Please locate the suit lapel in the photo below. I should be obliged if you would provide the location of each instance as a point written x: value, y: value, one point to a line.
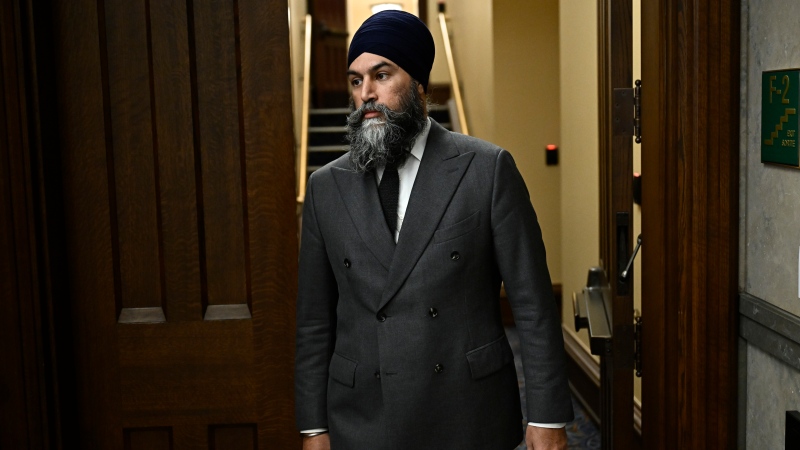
x: 440, y: 173
x: 360, y: 195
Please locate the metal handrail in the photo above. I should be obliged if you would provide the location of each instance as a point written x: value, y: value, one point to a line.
x: 302, y: 167
x: 462, y: 118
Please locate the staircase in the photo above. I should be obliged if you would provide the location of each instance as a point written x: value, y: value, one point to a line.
x: 326, y: 133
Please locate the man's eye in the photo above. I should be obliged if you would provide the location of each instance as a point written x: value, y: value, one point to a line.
x: 382, y: 76
x: 355, y: 82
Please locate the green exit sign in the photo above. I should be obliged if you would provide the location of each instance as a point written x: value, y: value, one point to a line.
x: 779, y: 119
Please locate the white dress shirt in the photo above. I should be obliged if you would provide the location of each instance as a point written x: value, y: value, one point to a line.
x: 407, y: 174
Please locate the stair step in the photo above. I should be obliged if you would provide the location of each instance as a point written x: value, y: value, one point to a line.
x: 328, y: 148
x: 327, y: 129
x: 317, y: 111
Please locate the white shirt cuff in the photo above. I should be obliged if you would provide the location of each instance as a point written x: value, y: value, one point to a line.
x: 548, y: 425
x: 315, y: 430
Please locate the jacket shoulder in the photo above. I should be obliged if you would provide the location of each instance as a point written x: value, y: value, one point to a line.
x: 324, y: 172
x: 463, y: 143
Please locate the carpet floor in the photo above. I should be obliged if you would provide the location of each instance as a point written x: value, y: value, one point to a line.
x: 582, y: 433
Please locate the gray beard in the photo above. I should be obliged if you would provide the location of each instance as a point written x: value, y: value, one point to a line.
x: 388, y: 139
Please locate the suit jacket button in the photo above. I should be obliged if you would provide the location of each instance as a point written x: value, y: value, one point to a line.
x: 381, y: 317
x: 377, y: 374
x: 347, y: 263
x: 455, y: 256
x: 438, y: 368
x: 433, y: 312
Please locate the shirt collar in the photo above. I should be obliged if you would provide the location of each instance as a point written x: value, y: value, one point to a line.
x: 421, y: 140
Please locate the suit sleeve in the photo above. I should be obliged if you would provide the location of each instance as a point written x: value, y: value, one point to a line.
x: 521, y: 259
x: 317, y: 296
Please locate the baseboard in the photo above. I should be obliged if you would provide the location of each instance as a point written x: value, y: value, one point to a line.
x: 584, y: 373
x: 584, y: 379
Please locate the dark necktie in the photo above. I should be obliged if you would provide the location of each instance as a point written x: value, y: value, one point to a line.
x: 389, y: 192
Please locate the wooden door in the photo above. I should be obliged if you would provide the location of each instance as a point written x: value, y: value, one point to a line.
x: 690, y: 164
x: 615, y: 58
x: 176, y: 140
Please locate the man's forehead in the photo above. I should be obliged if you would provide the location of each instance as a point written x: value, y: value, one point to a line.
x: 367, y: 62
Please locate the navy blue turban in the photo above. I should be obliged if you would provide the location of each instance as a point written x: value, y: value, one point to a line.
x: 399, y: 36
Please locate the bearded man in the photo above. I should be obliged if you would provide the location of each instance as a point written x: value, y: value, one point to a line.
x: 406, y: 240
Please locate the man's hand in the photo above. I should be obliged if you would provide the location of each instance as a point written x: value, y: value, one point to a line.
x: 538, y: 438
x: 321, y: 442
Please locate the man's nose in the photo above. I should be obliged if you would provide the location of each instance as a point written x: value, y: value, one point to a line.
x: 368, y: 91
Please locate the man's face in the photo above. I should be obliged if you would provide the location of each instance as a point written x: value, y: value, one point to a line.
x: 388, y: 113
x: 378, y: 79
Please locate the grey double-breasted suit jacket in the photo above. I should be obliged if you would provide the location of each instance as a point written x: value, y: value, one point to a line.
x: 402, y: 346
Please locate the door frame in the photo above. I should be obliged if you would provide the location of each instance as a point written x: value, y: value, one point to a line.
x: 690, y: 200
x: 615, y: 70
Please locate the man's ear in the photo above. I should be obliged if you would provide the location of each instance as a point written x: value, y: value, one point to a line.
x: 422, y: 97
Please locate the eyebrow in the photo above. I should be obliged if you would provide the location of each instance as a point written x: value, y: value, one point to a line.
x: 371, y: 69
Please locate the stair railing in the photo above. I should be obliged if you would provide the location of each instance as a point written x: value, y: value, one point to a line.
x: 302, y: 167
x: 462, y: 118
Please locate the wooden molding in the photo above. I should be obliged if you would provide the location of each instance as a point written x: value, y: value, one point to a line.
x: 580, y: 353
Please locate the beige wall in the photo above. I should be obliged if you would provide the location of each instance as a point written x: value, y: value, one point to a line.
x: 580, y: 209
x: 637, y: 167
x: 471, y: 32
x: 526, y: 105
x: 439, y: 73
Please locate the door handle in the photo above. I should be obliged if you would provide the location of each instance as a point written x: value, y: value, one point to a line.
x: 625, y: 272
x: 592, y: 310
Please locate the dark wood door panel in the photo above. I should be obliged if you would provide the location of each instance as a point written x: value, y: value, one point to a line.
x: 132, y: 183
x: 179, y: 188
x: 205, y: 370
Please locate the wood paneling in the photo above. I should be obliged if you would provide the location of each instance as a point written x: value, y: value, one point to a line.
x: 171, y: 99
x: 222, y: 175
x: 179, y: 186
x: 148, y: 439
x: 20, y: 395
x: 131, y: 153
x: 690, y: 64
x: 237, y: 436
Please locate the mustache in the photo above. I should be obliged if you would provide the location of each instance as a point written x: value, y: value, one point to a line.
x: 357, y: 116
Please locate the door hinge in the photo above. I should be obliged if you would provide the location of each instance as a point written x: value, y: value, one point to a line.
x: 637, y: 343
x: 627, y: 114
